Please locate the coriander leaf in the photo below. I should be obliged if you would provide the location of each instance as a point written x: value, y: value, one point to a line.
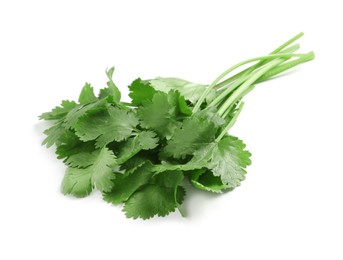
x: 105, y: 94
x: 169, y: 179
x: 134, y: 162
x: 160, y: 114
x: 54, y: 133
x: 226, y: 159
x: 82, y: 159
x: 102, y: 173
x: 210, y: 114
x: 87, y: 95
x: 152, y: 200
x: 172, y: 179
x: 80, y: 181
x: 194, y: 133
x: 77, y: 182
x: 205, y: 180
x: 59, y: 112
x: 70, y: 144
x: 112, y: 89
x: 126, y: 184
x: 147, y: 140
x: 144, y: 140
x: 74, y: 115
x: 191, y: 91
x: 167, y: 166
x: 183, y: 107
x: 114, y: 124
x: 141, y: 91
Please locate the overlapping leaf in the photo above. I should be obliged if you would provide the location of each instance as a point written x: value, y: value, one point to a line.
x: 144, y: 140
x: 160, y: 114
x: 226, y: 159
x: 113, y: 124
x: 88, y: 170
x: 126, y: 184
x: 190, y: 137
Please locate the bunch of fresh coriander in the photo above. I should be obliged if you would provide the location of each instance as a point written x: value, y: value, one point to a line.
x: 141, y: 153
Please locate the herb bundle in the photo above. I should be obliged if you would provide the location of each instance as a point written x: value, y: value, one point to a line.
x: 141, y: 153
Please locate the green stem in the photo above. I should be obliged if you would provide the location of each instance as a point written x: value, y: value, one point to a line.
x: 259, y: 64
x: 227, y: 112
x: 255, y: 75
x: 228, y: 90
x: 296, y: 37
x: 291, y: 49
x: 255, y: 66
x: 231, y: 123
x: 236, y: 84
x: 286, y: 66
x: 244, y: 93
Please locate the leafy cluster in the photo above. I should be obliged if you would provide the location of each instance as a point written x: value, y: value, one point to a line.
x: 141, y: 153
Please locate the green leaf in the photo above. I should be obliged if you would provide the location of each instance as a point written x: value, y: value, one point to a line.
x: 126, y: 184
x: 87, y: 95
x: 203, y: 179
x: 183, y: 107
x: 82, y: 159
x: 210, y: 114
x: 147, y: 140
x: 144, y: 140
x: 70, y: 144
x: 77, y: 182
x: 59, y: 112
x: 80, y: 181
x: 140, y: 92
x: 54, y: 134
x: 114, y: 124
x: 226, y: 159
x: 167, y: 166
x: 152, y: 200
x: 77, y: 112
x: 191, y: 91
x: 160, y: 114
x: 134, y: 162
x: 169, y: 179
x: 112, y: 89
x: 194, y: 133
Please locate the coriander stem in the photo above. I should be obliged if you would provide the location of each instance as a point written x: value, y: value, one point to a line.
x: 231, y: 123
x: 255, y: 75
x: 259, y: 64
x: 235, y: 85
x: 227, y: 112
x: 245, y: 92
x: 207, y: 91
x: 255, y: 66
x: 287, y: 65
x: 228, y: 90
x: 296, y: 37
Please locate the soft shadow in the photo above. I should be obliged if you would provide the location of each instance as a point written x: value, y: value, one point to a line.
x: 40, y: 126
x: 199, y: 201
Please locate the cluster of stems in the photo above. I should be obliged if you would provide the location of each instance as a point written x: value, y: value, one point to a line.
x: 230, y: 91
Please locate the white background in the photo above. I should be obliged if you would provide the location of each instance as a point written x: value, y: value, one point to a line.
x: 290, y: 206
